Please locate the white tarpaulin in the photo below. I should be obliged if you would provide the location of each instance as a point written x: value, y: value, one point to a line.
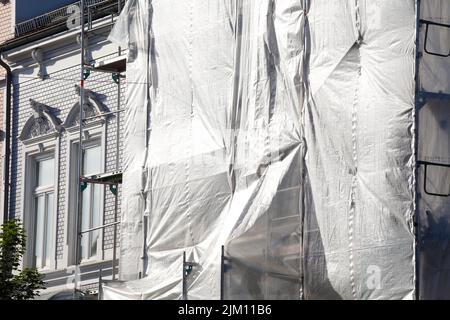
x: 282, y: 130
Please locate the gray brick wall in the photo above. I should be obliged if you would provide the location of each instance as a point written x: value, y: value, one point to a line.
x: 63, y: 177
x: 58, y: 92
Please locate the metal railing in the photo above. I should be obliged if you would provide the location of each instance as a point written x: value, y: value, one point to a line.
x: 427, y: 29
x: 426, y: 164
x: 60, y: 16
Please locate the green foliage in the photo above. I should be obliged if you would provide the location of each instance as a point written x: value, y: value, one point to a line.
x: 15, y: 285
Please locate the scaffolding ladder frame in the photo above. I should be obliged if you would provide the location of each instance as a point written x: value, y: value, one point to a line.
x: 113, y: 179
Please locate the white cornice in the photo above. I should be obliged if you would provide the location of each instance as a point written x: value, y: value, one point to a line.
x: 50, y: 42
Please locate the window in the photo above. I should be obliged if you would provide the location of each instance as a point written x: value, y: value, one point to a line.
x: 92, y: 195
x: 44, y: 213
x: 40, y: 175
x: 91, y: 202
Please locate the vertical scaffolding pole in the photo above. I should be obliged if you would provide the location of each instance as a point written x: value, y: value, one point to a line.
x: 144, y: 165
x: 302, y: 203
x: 184, y: 289
x: 117, y: 168
x: 100, y: 293
x: 115, y: 233
x: 80, y: 152
x: 416, y: 154
x: 222, y: 273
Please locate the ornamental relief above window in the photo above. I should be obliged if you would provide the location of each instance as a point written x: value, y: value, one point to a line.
x: 93, y: 111
x: 42, y: 123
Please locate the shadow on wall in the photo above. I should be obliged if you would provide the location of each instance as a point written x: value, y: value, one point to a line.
x: 434, y: 211
x: 14, y: 151
x: 434, y: 254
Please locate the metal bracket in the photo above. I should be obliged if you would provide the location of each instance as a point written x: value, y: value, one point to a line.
x: 113, y: 189
x: 115, y: 77
x: 427, y: 24
x: 426, y: 164
x: 86, y: 74
x: 424, y: 96
x: 188, y: 267
x: 187, y: 270
x: 83, y: 186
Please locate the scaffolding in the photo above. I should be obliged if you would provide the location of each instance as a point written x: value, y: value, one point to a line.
x: 426, y: 97
x: 90, y: 10
x: 291, y: 252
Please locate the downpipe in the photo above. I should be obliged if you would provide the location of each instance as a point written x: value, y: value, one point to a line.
x: 7, y: 144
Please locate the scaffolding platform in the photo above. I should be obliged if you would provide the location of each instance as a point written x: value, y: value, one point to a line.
x: 112, y: 65
x: 109, y: 178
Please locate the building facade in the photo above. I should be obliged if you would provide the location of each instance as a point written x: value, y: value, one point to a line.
x: 45, y: 137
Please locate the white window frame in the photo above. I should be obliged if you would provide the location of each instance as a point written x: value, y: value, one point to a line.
x: 33, y: 151
x: 39, y: 191
x: 93, y: 133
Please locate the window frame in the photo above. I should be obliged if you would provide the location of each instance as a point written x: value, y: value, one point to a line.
x: 39, y: 191
x: 93, y: 134
x: 31, y: 155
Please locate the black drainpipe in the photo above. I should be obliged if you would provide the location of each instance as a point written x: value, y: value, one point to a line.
x: 7, y: 139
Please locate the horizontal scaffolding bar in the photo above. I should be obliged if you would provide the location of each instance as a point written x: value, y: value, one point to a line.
x: 428, y: 163
x: 423, y: 21
x: 104, y: 178
x: 97, y: 69
x: 103, y: 114
x: 101, y: 227
x: 434, y: 95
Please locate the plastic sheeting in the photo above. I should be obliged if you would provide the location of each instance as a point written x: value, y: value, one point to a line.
x: 282, y: 130
x: 359, y: 132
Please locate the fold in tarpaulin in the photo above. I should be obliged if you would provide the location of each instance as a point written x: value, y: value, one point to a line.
x: 282, y: 130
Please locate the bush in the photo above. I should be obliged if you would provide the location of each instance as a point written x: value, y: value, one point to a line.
x: 15, y: 285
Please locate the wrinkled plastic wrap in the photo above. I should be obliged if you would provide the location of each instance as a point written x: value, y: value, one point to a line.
x: 359, y: 133
x: 434, y: 149
x: 282, y: 130
x: 133, y: 26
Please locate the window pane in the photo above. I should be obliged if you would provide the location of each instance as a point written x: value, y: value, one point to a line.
x: 49, y: 252
x: 96, y: 205
x: 40, y: 223
x: 91, y: 202
x: 85, y: 246
x: 85, y: 221
x: 92, y: 161
x: 94, y: 240
x: 45, y: 172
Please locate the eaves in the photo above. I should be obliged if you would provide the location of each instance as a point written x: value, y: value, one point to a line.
x: 18, y: 49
